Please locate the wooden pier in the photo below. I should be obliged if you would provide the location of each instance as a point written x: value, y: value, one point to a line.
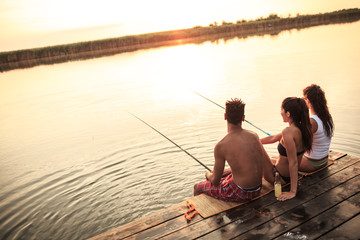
x: 327, y: 206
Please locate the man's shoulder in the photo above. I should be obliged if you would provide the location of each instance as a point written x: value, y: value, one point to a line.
x: 244, y: 135
x: 222, y: 142
x: 249, y: 133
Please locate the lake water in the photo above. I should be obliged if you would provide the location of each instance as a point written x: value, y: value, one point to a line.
x: 74, y: 162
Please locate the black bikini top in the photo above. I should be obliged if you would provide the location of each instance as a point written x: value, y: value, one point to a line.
x: 282, y: 150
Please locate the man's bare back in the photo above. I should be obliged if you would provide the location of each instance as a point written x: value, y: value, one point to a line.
x: 244, y: 153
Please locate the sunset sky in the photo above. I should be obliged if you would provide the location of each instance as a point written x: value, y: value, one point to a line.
x: 37, y: 23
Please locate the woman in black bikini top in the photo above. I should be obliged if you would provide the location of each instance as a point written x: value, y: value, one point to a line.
x: 294, y: 140
x: 282, y: 150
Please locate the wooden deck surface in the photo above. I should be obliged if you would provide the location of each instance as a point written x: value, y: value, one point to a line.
x: 327, y: 206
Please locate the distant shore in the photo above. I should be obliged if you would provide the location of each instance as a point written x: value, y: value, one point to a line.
x: 273, y: 25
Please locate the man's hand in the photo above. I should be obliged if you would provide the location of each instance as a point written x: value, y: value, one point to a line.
x: 208, y: 174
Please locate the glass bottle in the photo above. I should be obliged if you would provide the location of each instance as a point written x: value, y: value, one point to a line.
x: 277, y: 185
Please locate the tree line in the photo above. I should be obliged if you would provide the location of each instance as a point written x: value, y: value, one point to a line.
x: 272, y: 24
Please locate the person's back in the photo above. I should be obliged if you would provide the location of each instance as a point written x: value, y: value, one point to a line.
x: 321, y: 141
x: 322, y: 128
x: 243, y: 151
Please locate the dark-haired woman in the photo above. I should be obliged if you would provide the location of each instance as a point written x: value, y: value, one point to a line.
x: 294, y: 140
x: 322, y: 127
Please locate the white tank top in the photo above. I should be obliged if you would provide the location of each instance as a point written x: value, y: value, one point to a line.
x: 321, y: 142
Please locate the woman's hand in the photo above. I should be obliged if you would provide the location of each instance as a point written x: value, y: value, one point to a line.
x: 286, y: 195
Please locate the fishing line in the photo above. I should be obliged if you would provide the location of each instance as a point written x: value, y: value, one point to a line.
x: 224, y: 109
x: 169, y: 140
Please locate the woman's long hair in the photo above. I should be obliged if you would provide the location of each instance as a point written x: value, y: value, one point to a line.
x: 316, y: 96
x: 299, y: 112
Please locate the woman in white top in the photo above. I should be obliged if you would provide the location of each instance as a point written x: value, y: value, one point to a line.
x: 322, y: 127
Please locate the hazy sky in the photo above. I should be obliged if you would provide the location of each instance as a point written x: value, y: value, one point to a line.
x: 37, y: 23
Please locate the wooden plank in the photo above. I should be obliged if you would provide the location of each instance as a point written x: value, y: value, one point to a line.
x: 348, y: 230
x: 326, y: 221
x: 172, y: 220
x: 336, y: 155
x: 233, y: 221
x: 240, y: 224
x: 208, y: 206
x: 281, y: 224
x: 143, y: 223
x: 203, y: 227
x: 179, y: 225
x: 164, y: 228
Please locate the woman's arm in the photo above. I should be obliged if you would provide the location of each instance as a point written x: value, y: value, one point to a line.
x: 290, y: 146
x: 314, y: 125
x: 271, y: 139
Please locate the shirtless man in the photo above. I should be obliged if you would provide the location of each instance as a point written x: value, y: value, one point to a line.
x: 244, y: 153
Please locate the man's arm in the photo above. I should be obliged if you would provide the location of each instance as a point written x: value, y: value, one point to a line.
x: 215, y: 176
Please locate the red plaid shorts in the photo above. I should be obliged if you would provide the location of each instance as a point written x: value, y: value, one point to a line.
x: 227, y: 190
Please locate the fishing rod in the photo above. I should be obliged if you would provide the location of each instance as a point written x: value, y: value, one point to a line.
x: 224, y: 109
x: 170, y: 140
